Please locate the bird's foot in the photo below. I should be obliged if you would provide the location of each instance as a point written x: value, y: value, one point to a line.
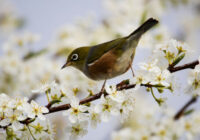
x: 103, y: 87
x: 132, y: 71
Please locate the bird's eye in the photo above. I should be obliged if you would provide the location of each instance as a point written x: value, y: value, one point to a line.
x: 74, y: 57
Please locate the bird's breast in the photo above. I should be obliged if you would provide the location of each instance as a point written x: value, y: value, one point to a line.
x: 110, y: 65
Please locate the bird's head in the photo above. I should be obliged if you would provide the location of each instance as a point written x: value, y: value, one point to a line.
x: 77, y: 58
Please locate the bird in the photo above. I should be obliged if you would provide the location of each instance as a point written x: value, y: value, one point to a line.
x: 110, y: 59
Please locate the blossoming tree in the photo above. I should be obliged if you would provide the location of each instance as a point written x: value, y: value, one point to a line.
x: 168, y: 66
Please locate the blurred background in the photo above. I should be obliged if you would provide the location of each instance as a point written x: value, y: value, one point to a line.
x: 36, y: 37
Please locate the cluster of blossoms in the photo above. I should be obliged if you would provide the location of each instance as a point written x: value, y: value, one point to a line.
x: 9, y: 20
x: 156, y: 72
x: 15, y: 69
x: 14, y: 114
x: 173, y: 52
x: 153, y: 123
x: 80, y: 115
x: 21, y: 64
x: 115, y: 102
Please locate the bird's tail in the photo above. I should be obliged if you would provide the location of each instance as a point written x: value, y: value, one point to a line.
x: 144, y: 27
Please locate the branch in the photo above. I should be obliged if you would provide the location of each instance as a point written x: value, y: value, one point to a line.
x: 92, y: 98
x: 68, y: 106
x: 124, y: 85
x: 121, y: 86
x: 190, y: 65
x: 181, y: 112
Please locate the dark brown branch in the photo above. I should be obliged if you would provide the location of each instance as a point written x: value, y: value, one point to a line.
x: 92, y: 98
x: 121, y: 86
x: 180, y: 113
x: 67, y: 106
x: 185, y: 66
x: 190, y: 65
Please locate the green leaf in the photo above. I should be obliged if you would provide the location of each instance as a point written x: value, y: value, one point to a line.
x: 188, y: 112
x: 127, y: 81
x: 31, y: 120
x: 55, y: 101
x: 87, y: 104
x: 34, y: 54
x: 178, y: 59
x: 158, y: 86
x: 91, y: 93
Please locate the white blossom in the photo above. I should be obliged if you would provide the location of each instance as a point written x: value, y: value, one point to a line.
x: 141, y: 77
x: 162, y: 77
x: 114, y: 94
x: 95, y: 116
x: 194, y: 81
x: 107, y: 107
x: 37, y: 110
x: 45, y: 87
x: 127, y: 105
x: 76, y: 112
x: 78, y: 129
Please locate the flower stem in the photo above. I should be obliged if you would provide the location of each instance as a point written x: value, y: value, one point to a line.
x: 159, y: 101
x: 47, y: 94
x: 30, y: 132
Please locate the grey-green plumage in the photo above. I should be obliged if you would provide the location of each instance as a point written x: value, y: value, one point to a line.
x: 104, y: 47
x: 109, y: 59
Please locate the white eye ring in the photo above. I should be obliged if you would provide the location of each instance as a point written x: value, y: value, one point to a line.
x: 74, y: 57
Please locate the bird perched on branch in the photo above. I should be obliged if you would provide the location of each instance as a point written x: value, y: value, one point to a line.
x: 109, y: 59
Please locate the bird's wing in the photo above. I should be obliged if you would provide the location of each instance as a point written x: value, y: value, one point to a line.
x: 97, y: 51
x: 101, y: 49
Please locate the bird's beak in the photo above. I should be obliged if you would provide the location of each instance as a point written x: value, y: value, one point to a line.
x: 66, y: 65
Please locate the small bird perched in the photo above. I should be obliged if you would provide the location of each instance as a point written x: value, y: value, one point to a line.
x: 109, y: 59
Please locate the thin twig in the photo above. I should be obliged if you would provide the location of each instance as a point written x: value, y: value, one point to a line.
x: 180, y: 113
x: 30, y: 132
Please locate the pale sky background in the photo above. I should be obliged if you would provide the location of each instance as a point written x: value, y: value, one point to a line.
x: 45, y: 17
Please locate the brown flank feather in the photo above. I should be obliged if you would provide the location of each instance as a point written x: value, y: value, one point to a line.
x: 103, y: 66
